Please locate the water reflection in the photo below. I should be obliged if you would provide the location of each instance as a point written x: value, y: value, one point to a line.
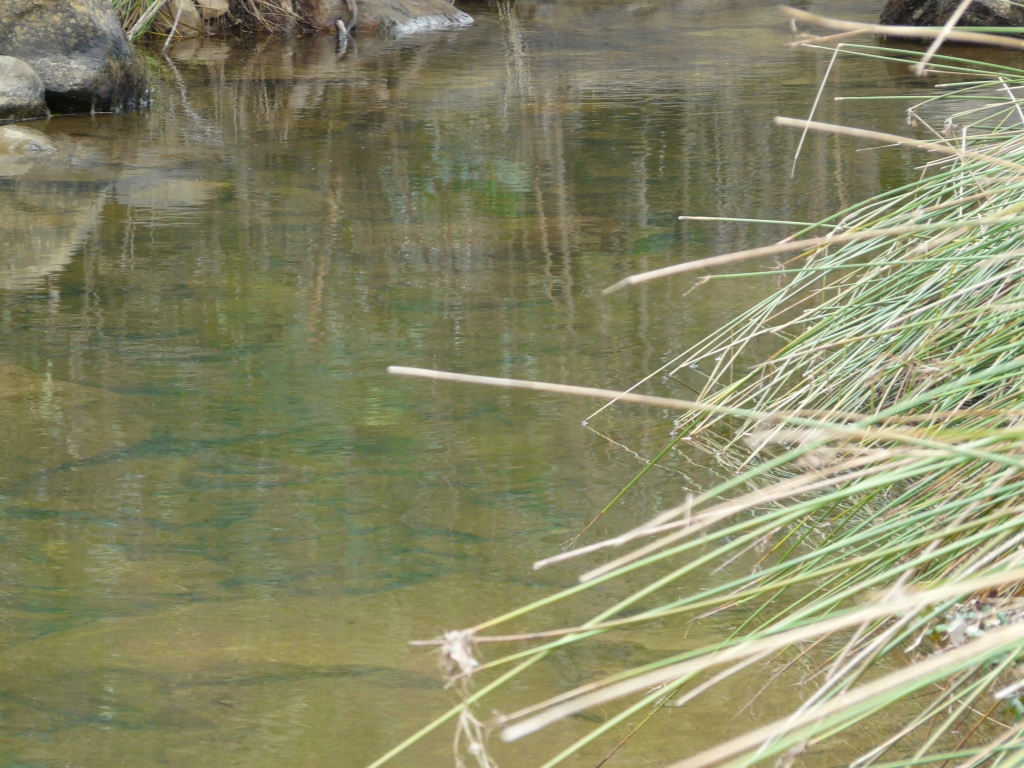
x: 229, y: 571
x: 47, y: 204
x: 53, y: 190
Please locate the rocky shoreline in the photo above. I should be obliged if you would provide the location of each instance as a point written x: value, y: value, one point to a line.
x: 66, y: 55
x: 394, y: 18
x: 76, y: 56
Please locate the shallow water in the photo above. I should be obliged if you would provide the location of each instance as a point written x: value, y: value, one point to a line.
x: 221, y: 519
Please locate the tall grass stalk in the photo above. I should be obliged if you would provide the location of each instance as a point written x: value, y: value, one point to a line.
x: 874, y: 487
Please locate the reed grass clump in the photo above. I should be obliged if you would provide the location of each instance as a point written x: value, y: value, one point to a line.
x: 874, y: 484
x: 142, y: 19
x: 136, y: 16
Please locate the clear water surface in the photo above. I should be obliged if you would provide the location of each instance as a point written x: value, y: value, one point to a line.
x: 220, y: 519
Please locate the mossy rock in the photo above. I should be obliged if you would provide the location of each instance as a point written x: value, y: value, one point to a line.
x: 79, y: 51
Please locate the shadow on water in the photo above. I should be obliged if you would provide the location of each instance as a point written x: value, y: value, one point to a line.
x: 221, y: 520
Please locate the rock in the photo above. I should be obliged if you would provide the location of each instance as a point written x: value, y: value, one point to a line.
x: 22, y: 96
x: 323, y: 14
x: 212, y: 9
x: 78, y: 49
x: 390, y: 18
x: 190, y: 22
x: 935, y: 13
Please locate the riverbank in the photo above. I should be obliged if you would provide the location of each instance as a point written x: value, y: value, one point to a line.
x: 91, y: 65
x: 70, y: 56
x: 191, y: 18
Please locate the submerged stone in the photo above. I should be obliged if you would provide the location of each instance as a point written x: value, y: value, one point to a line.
x: 22, y: 95
x: 79, y: 51
x: 935, y: 13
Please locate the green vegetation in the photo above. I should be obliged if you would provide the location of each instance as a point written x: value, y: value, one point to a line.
x: 875, y: 490
x: 136, y: 15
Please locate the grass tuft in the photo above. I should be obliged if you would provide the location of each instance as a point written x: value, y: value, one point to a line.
x: 273, y: 16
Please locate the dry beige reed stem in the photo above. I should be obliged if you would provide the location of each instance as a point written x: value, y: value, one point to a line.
x: 145, y: 18
x: 942, y: 36
x: 792, y: 246
x: 565, y: 389
x: 775, y: 643
x: 847, y: 701
x: 892, y: 138
x: 914, y: 33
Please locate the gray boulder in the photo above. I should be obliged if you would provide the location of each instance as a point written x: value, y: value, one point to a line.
x: 78, y: 49
x: 21, y: 91
x: 935, y: 13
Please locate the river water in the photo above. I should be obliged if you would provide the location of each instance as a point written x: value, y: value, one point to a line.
x: 222, y: 520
